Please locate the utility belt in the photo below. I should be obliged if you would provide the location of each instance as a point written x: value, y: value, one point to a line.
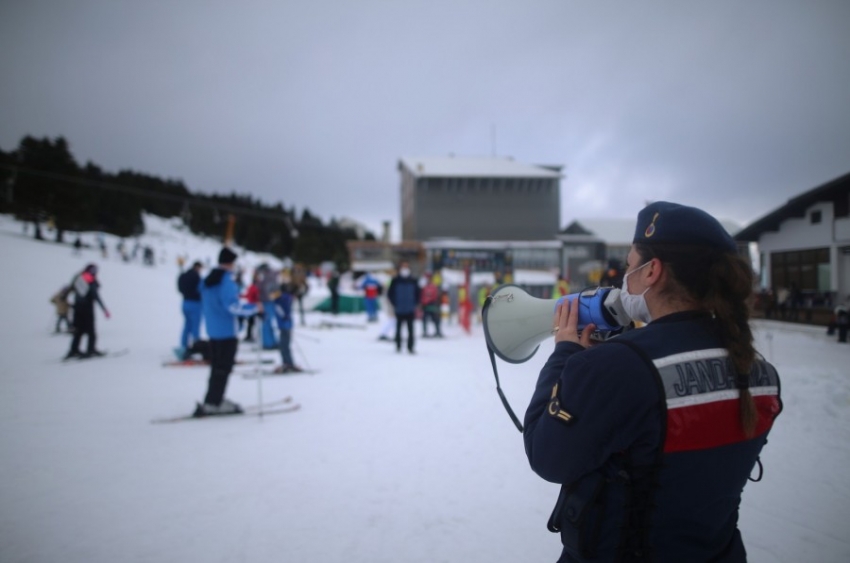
x: 580, y: 515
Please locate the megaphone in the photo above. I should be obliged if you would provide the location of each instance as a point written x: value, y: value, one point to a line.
x: 515, y: 323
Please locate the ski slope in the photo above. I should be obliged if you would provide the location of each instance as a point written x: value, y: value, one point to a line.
x: 391, y: 457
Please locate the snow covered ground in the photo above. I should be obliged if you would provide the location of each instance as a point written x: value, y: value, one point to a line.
x: 392, y: 458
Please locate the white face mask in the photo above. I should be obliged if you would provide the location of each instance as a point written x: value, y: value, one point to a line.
x: 404, y: 272
x: 635, y: 305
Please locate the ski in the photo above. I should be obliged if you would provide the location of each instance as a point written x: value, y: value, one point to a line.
x: 331, y: 325
x: 280, y: 406
x: 271, y: 373
x: 116, y: 354
x: 193, y: 362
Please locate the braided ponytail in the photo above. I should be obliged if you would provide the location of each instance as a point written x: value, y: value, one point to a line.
x: 719, y: 282
x: 731, y: 286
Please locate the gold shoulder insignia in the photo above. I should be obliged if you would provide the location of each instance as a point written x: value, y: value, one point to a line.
x: 555, y: 407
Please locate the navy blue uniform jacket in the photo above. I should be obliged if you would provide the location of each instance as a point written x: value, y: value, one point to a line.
x: 652, y: 463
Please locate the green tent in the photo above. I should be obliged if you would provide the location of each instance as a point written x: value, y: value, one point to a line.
x: 347, y: 304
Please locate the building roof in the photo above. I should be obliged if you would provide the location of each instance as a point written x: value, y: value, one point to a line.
x: 456, y: 244
x: 836, y: 191
x: 611, y: 231
x: 475, y: 167
x: 620, y: 232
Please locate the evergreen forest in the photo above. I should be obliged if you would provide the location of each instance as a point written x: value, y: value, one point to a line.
x: 42, y: 183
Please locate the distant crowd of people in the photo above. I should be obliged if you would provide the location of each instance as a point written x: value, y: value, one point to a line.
x: 125, y: 253
x: 792, y: 304
x: 265, y: 310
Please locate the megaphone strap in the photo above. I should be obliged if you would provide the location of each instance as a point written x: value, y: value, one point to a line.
x: 501, y: 393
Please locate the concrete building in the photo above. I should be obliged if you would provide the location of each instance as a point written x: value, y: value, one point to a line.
x: 805, y: 244
x: 478, y: 198
x: 590, y: 245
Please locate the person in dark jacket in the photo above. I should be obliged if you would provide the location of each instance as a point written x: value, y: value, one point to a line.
x: 333, y: 286
x: 86, y: 289
x: 404, y: 294
x: 187, y: 284
x: 221, y: 307
x: 654, y: 433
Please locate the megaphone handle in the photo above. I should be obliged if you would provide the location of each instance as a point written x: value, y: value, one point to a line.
x: 501, y: 393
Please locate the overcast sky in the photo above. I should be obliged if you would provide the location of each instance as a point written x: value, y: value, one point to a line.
x: 728, y: 105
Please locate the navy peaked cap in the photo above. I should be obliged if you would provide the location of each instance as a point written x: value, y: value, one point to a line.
x: 671, y: 223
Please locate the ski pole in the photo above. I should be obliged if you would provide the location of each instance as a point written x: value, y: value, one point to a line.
x: 311, y: 338
x: 258, y: 371
x: 301, y: 353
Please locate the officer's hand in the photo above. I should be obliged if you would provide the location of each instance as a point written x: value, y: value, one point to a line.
x: 565, y: 326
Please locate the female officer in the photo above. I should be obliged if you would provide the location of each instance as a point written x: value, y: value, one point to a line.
x: 653, y: 434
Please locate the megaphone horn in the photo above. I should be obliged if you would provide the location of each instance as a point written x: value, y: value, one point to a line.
x: 515, y: 323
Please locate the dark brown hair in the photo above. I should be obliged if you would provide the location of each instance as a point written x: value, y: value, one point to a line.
x: 719, y: 282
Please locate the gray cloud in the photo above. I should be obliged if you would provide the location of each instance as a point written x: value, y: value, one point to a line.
x: 731, y: 106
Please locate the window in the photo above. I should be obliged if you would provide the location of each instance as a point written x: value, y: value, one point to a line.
x: 842, y: 205
x: 809, y: 270
x: 815, y: 217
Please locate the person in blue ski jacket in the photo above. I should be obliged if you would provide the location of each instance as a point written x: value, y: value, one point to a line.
x: 187, y: 284
x: 283, y: 310
x: 221, y: 309
x: 404, y: 294
x: 653, y: 434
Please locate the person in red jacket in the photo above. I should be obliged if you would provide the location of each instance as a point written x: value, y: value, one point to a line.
x: 430, y: 302
x: 252, y: 296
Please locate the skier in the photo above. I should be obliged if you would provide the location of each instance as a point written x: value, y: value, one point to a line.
x: 86, y: 289
x: 267, y: 284
x: 404, y: 294
x: 388, y: 327
x: 431, y: 306
x: 372, y: 288
x: 283, y: 310
x: 653, y: 434
x: 221, y: 306
x: 333, y: 286
x: 301, y: 288
x: 252, y: 296
x: 60, y: 301
x: 187, y: 284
